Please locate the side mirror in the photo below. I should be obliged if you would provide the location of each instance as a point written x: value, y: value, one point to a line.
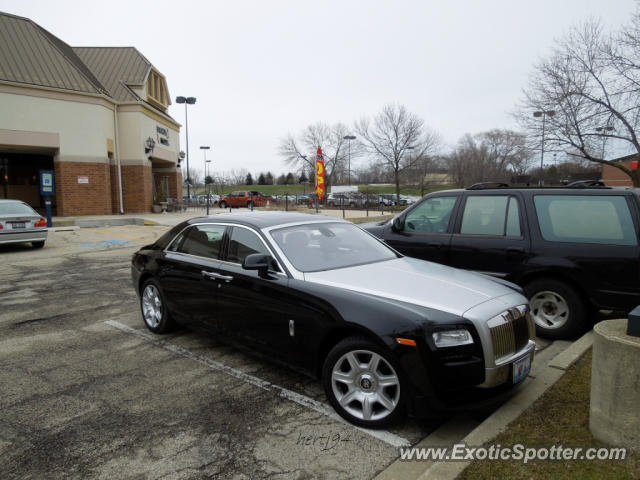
x: 397, y: 224
x: 258, y: 261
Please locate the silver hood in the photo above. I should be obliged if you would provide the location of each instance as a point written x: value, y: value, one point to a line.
x: 419, y: 282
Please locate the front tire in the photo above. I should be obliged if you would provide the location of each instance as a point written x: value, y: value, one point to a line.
x: 558, y: 310
x: 154, y: 308
x: 37, y: 244
x: 363, y: 383
x: 223, y: 204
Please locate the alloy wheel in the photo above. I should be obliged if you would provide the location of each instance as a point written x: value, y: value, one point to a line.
x: 365, y: 385
x: 151, y: 306
x: 549, y: 309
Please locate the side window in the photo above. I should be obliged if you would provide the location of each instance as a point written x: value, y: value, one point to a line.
x: 491, y: 215
x: 201, y: 240
x: 432, y: 215
x: 244, y: 242
x: 585, y: 219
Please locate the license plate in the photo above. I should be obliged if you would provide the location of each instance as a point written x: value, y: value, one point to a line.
x: 521, y: 369
x: 17, y: 225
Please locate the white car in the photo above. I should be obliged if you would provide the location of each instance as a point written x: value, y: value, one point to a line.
x: 19, y: 223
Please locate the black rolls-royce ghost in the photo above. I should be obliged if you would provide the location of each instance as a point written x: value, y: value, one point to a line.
x: 386, y: 333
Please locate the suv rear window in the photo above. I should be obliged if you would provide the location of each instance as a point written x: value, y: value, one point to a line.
x: 585, y: 219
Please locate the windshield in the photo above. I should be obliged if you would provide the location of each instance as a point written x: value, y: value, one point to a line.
x: 327, y: 246
x: 16, y: 208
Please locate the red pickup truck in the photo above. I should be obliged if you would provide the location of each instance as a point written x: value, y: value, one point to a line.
x: 243, y: 198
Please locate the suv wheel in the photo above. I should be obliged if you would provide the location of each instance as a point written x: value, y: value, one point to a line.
x: 249, y: 204
x: 557, y: 308
x: 363, y: 383
x: 223, y: 204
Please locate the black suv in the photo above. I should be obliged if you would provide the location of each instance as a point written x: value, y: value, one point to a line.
x: 573, y: 250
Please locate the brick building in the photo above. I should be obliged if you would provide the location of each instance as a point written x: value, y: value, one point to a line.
x: 90, y: 115
x: 615, y: 177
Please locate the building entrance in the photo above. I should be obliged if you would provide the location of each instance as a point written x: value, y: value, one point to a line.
x: 19, y: 177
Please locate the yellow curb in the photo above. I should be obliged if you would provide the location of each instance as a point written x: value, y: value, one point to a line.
x: 150, y: 222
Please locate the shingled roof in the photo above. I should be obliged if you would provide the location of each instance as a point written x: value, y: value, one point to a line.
x: 30, y: 54
x: 116, y: 67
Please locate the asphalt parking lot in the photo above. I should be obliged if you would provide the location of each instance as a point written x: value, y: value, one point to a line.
x: 89, y: 392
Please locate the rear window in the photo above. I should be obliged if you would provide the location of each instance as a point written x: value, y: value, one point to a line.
x: 585, y: 219
x: 16, y: 208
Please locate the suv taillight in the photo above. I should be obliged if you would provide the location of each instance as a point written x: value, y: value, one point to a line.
x: 41, y: 223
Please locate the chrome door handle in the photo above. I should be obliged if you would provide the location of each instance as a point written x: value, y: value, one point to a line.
x: 216, y: 276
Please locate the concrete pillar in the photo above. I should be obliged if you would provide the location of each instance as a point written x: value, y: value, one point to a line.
x: 614, y: 415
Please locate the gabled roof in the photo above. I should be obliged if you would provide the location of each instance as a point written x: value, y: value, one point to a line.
x: 116, y: 67
x: 30, y: 54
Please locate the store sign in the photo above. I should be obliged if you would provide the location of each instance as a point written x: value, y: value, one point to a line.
x: 83, y: 179
x: 163, y: 135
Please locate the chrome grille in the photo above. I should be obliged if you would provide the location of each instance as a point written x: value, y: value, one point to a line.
x: 512, y: 333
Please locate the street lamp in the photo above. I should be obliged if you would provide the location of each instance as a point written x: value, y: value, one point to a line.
x: 204, y: 149
x: 607, y: 128
x: 187, y: 101
x: 349, y: 138
x: 543, y: 114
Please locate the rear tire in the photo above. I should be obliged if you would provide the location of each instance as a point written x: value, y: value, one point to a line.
x: 249, y: 204
x: 154, y: 308
x: 558, y: 310
x: 223, y: 204
x: 363, y: 383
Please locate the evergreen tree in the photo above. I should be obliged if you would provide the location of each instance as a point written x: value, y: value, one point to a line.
x: 261, y: 179
x: 303, y: 177
x: 289, y: 180
x: 248, y: 180
x: 269, y: 178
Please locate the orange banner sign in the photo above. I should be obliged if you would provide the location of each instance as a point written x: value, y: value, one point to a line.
x: 320, y: 175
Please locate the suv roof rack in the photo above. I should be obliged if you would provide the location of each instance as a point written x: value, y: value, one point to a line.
x: 483, y: 185
x: 586, y: 184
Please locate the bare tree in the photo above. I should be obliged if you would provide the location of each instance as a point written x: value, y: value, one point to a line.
x: 392, y: 134
x: 495, y: 155
x: 589, y: 89
x: 300, y: 151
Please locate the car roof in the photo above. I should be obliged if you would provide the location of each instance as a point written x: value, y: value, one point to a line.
x: 261, y: 219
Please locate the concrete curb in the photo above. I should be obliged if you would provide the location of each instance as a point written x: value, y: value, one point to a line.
x: 548, y: 367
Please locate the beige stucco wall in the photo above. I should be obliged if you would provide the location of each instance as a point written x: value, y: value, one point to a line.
x: 134, y: 127
x: 82, y: 128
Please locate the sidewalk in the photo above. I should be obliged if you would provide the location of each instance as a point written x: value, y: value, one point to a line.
x: 174, y: 218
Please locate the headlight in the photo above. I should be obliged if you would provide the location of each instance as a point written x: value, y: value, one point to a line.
x: 452, y: 338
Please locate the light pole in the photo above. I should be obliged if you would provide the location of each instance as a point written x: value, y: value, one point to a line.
x: 349, y: 138
x: 187, y: 101
x: 208, y: 184
x: 607, y: 128
x: 543, y: 114
x: 204, y: 149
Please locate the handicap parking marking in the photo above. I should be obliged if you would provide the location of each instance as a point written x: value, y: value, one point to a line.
x: 382, y: 435
x: 105, y: 244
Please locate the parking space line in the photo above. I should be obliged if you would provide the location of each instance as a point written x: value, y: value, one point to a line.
x: 383, y: 435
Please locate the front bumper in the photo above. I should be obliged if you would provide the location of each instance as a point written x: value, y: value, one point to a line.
x: 503, y: 372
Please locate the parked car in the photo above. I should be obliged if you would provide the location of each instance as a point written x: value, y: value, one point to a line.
x: 19, y: 223
x: 573, y: 250
x: 340, y: 200
x: 306, y: 290
x: 243, y: 198
x: 387, y: 199
x: 213, y: 199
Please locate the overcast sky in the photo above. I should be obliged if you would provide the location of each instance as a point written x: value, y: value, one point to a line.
x: 263, y: 69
